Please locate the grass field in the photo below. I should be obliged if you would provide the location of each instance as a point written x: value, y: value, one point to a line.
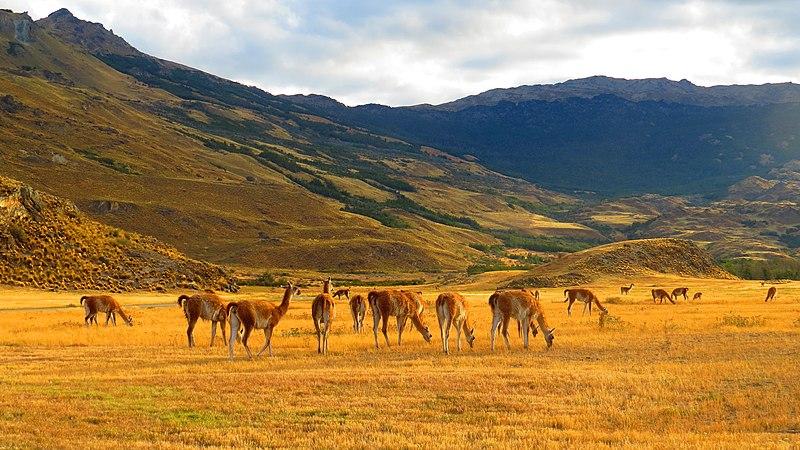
x: 721, y: 372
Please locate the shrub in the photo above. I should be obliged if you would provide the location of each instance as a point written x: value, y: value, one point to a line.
x: 265, y: 279
x: 757, y: 269
x: 735, y: 320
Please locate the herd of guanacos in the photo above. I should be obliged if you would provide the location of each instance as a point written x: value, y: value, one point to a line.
x: 451, y: 310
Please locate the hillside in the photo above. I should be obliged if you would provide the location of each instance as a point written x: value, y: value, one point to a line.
x: 231, y: 174
x: 47, y: 243
x: 624, y: 260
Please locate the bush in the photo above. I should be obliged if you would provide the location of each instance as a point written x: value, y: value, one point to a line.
x: 265, y: 279
x: 735, y: 320
x: 756, y: 269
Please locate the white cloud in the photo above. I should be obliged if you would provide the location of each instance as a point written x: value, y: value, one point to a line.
x: 407, y: 52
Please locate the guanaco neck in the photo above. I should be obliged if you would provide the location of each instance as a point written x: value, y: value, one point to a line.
x: 287, y: 297
x: 326, y: 286
x: 415, y: 319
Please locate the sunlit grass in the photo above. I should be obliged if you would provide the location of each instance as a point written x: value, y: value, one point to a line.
x: 654, y: 375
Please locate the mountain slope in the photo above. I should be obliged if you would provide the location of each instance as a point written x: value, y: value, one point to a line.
x: 47, y: 243
x: 232, y: 174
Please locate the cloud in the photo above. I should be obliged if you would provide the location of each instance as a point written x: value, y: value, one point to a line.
x: 407, y: 52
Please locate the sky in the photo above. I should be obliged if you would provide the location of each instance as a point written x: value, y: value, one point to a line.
x: 411, y: 52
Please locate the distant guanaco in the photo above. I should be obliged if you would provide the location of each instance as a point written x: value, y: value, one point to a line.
x: 402, y: 304
x: 770, y: 294
x: 697, y: 296
x: 625, y: 290
x: 93, y: 304
x: 452, y: 310
x: 520, y: 305
x: 206, y: 306
x: 259, y: 315
x: 358, y: 309
x: 684, y: 291
x: 342, y: 293
x: 584, y: 295
x: 661, y: 294
x: 323, y: 310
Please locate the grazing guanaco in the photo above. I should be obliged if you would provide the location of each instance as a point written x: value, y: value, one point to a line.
x: 584, y: 295
x: 684, y: 291
x: 520, y: 305
x: 660, y: 294
x: 358, y: 308
x: 206, y: 306
x: 323, y: 310
x: 93, y: 304
x: 771, y: 293
x: 697, y: 296
x: 625, y: 290
x: 533, y: 327
x: 342, y: 293
x: 259, y: 315
x: 452, y: 310
x: 401, y: 304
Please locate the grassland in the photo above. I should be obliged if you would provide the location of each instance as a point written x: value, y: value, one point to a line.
x: 721, y: 372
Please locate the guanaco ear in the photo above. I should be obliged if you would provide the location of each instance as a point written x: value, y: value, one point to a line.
x: 551, y: 330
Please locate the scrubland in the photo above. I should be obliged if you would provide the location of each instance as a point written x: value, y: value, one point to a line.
x: 719, y: 372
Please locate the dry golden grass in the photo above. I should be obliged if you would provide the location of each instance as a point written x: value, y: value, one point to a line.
x: 721, y: 372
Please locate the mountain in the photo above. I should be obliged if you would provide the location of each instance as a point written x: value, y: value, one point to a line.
x: 605, y: 144
x: 231, y: 174
x: 649, y: 89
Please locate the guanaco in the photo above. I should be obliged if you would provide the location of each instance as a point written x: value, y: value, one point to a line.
x: 625, y: 290
x: 520, y: 305
x: 259, y: 315
x: 93, y: 304
x: 770, y: 294
x: 584, y: 295
x: 342, y: 293
x: 401, y: 304
x: 697, y: 296
x: 684, y: 291
x: 452, y: 310
x: 660, y: 295
x: 206, y: 306
x: 323, y: 310
x: 358, y: 308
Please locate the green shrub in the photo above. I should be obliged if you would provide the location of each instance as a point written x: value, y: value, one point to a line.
x: 756, y: 269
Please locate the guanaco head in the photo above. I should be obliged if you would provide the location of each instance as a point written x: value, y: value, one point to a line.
x: 549, y: 337
x: 295, y: 290
x: 326, y: 286
x: 426, y: 334
x: 471, y: 336
x: 128, y: 319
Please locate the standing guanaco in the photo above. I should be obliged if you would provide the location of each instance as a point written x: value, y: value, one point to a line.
x: 358, y: 309
x: 259, y: 315
x: 584, y: 295
x: 625, y: 290
x: 342, y: 293
x: 771, y: 293
x: 93, y: 304
x: 660, y: 295
x: 206, y: 306
x: 520, y: 305
x: 684, y: 291
x: 401, y: 304
x: 323, y: 310
x: 452, y: 310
